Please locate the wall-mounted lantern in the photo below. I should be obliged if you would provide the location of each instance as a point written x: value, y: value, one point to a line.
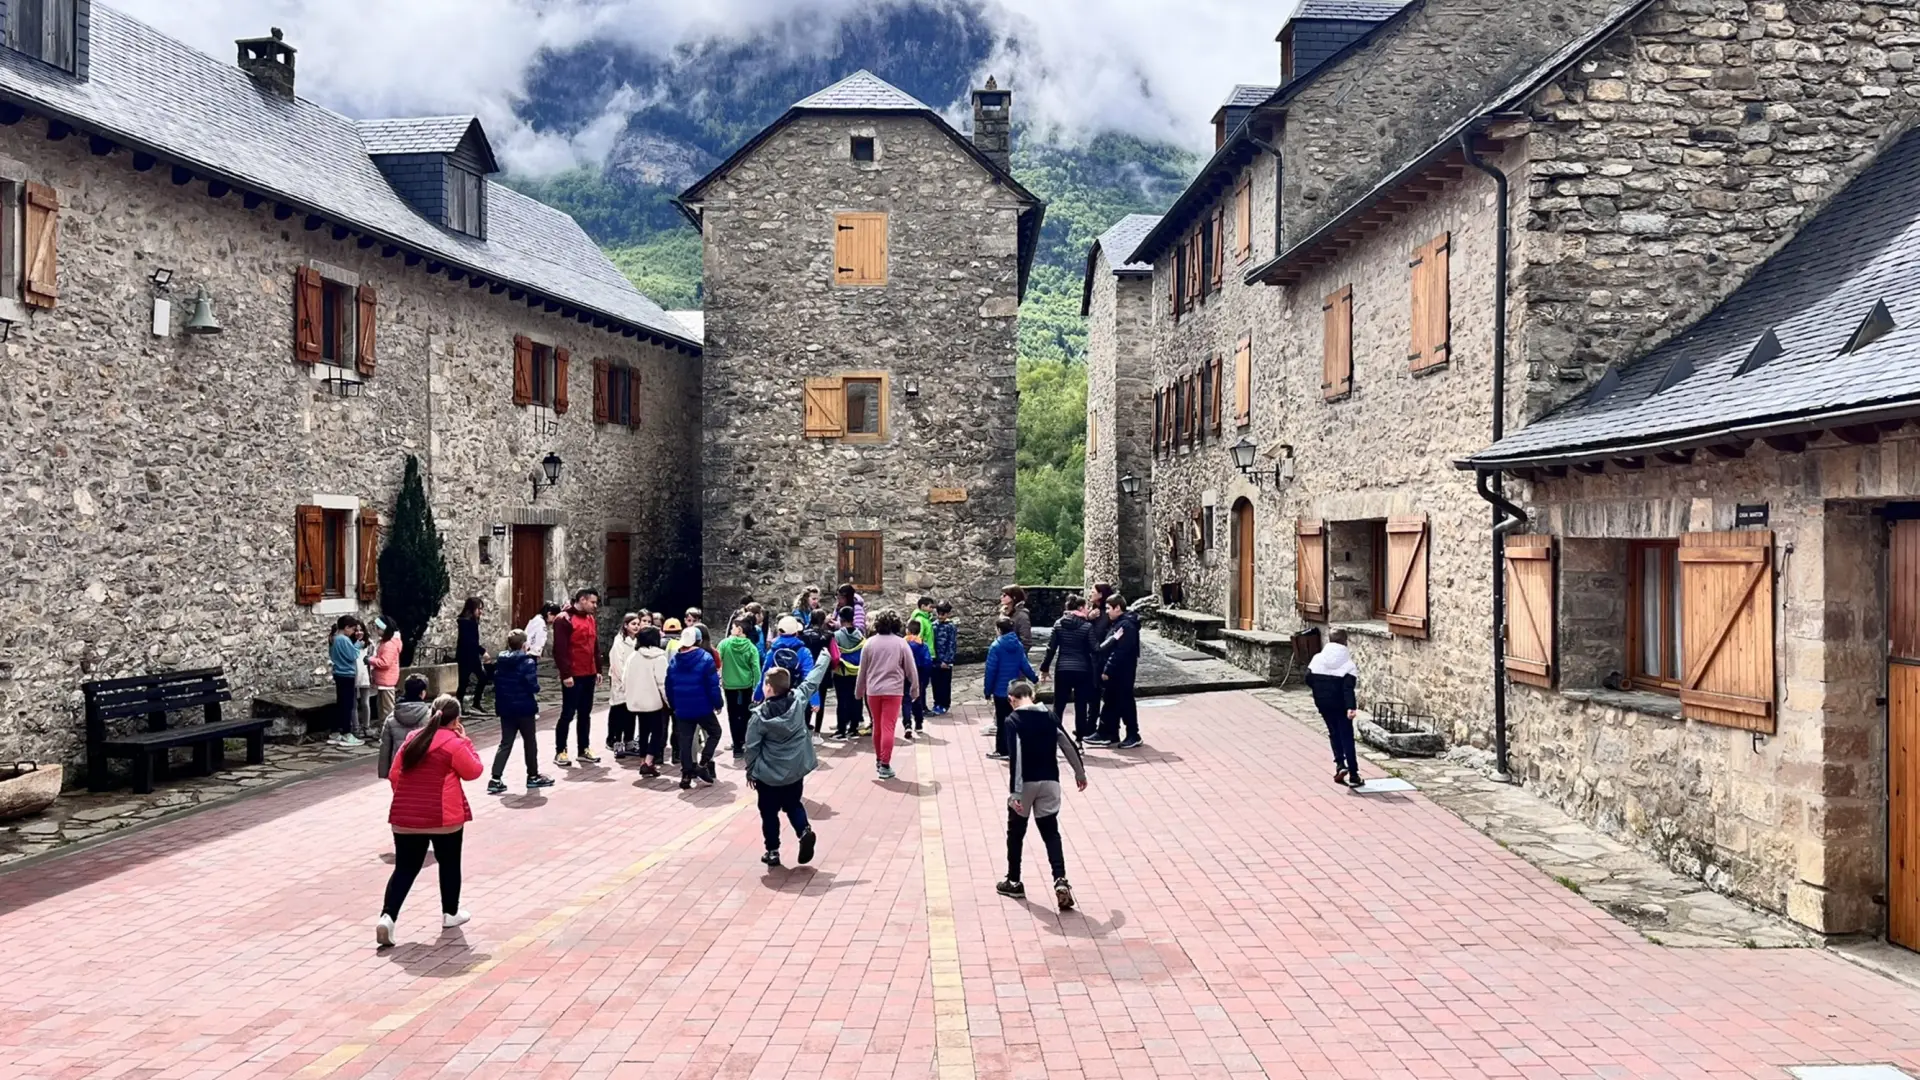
x: 550, y: 466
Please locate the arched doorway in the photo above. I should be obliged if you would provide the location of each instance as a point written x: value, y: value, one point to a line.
x: 1240, y: 604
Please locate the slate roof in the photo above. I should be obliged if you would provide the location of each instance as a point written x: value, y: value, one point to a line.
x: 1247, y: 97
x: 417, y: 134
x: 863, y: 91
x: 1357, y: 10
x: 1813, y: 294
x: 154, y: 95
x: 1118, y: 242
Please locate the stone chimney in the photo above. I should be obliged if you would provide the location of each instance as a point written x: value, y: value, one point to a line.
x: 268, y: 61
x: 993, y: 123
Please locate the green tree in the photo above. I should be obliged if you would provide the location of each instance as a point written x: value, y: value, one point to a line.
x: 413, y: 567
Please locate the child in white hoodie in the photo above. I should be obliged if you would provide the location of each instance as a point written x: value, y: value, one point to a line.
x: 644, y: 682
x: 1332, y: 676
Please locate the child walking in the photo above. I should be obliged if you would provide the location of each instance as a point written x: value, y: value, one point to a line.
x: 429, y: 809
x: 516, y: 688
x: 645, y: 683
x: 780, y: 755
x: 946, y: 650
x: 739, y: 677
x: 1037, y: 740
x: 693, y: 693
x: 1006, y: 661
x: 887, y: 680
x: 1332, y: 676
x: 916, y: 719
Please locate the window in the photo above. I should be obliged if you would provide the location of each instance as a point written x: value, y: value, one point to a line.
x: 1243, y: 382
x: 1207, y: 397
x: 1219, y: 259
x: 1653, y: 618
x: 540, y: 374
x: 615, y: 394
x: 46, y: 30
x: 1208, y: 253
x: 852, y: 407
x: 1430, y: 303
x: 336, y: 323
x: 860, y: 560
x: 862, y: 148
x: 1377, y: 550
x: 860, y: 249
x: 1336, y: 364
x: 1286, y: 56
x: 334, y: 320
x: 336, y: 554
x: 1180, y: 282
x: 334, y: 564
x: 466, y: 201
x: 863, y: 406
x: 1243, y: 221
x: 1159, y: 418
x: 619, y: 564
x: 1213, y: 402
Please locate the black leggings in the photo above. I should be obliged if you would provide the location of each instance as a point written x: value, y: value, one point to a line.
x: 479, y: 676
x: 523, y: 727
x: 619, y: 725
x: 846, y: 707
x: 739, y: 705
x: 1049, y: 834
x: 653, y: 734
x: 409, y: 855
x: 684, y: 730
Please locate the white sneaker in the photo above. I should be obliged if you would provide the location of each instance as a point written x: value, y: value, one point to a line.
x: 383, y: 931
x: 350, y: 740
x: 333, y: 739
x: 460, y: 918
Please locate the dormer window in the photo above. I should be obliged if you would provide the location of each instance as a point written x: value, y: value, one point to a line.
x: 439, y: 164
x: 466, y: 201
x: 47, y: 30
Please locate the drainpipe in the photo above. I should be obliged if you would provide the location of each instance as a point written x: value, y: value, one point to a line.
x: 1506, y: 516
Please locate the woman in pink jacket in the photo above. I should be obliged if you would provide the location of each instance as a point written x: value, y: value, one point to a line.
x: 430, y: 809
x: 383, y: 669
x: 887, y: 678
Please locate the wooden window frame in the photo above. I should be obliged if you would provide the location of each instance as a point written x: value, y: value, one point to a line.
x: 1219, y: 248
x: 1180, y: 278
x: 1669, y: 596
x: 1193, y: 409
x: 885, y: 388
x: 878, y: 584
x: 545, y: 359
x: 1377, y: 540
x: 1159, y: 417
x: 53, y: 14
x: 851, y: 277
x: 337, y: 523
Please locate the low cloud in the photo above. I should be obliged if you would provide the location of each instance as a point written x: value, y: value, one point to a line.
x: 1080, y: 67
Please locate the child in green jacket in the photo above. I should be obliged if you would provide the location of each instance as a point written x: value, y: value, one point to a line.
x: 739, y: 675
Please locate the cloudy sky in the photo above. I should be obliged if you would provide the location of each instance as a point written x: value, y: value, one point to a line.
x: 1156, y: 68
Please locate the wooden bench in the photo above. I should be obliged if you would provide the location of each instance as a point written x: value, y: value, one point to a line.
x: 152, y: 698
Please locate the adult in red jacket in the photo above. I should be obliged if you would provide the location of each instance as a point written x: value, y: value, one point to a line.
x: 576, y: 652
x: 430, y: 809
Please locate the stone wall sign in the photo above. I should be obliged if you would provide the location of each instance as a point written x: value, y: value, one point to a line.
x: 1750, y: 516
x: 947, y: 495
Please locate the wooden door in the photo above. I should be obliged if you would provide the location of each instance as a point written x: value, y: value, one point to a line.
x: 529, y: 571
x: 1243, y: 564
x: 1903, y: 736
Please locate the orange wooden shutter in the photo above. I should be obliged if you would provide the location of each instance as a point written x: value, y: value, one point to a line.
x: 860, y: 249
x: 1336, y: 377
x: 308, y: 303
x: 1243, y: 382
x: 1243, y: 220
x: 364, y: 329
x: 561, y: 358
x: 1219, y: 248
x: 41, y: 287
x: 1726, y: 628
x: 1215, y: 403
x: 1406, y: 600
x: 1530, y: 612
x: 369, y: 552
x: 1310, y: 569
x: 619, y: 564
x: 825, y: 409
x: 522, y: 370
x: 309, y: 554
x: 1431, y: 346
x: 601, y: 408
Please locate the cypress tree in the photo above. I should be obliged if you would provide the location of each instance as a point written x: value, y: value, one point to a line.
x: 413, y: 569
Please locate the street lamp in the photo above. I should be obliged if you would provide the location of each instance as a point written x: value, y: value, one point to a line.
x: 1130, y: 486
x: 551, y: 466
x: 1246, y: 450
x: 1243, y: 453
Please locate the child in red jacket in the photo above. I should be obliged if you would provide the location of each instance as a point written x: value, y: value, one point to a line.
x: 430, y: 809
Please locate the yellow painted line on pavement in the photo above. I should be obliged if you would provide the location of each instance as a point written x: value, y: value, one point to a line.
x: 953, y: 1038
x: 340, y: 1055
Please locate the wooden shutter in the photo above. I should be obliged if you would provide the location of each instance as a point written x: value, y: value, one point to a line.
x: 1193, y: 409
x: 826, y: 408
x: 364, y: 325
x: 860, y: 560
x: 1431, y: 346
x: 1336, y: 373
x: 1243, y: 382
x: 601, y: 407
x: 1310, y: 570
x: 1530, y: 611
x: 1159, y: 416
x: 1214, y: 404
x: 1173, y: 287
x: 619, y: 564
x: 1406, y: 601
x: 308, y: 304
x: 1726, y: 628
x: 1196, y: 521
x: 309, y: 554
x: 1219, y: 248
x: 860, y: 249
x: 560, y: 360
x: 369, y: 552
x: 1243, y: 220
x: 42, y: 259
x: 522, y: 370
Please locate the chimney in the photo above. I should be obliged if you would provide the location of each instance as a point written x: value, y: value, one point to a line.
x: 268, y: 61
x: 993, y: 124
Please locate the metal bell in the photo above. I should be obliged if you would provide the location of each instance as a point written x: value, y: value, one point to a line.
x: 202, y: 320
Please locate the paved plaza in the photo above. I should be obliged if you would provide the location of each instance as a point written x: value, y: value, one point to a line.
x: 1240, y: 916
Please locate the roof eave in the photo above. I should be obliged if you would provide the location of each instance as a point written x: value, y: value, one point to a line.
x: 1238, y: 142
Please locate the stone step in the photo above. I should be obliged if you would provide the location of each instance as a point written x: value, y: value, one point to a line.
x: 1189, y: 627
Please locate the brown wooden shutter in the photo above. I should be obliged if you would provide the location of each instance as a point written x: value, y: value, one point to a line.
x: 860, y: 560
x: 369, y: 552
x: 1726, y: 628
x: 601, y: 407
x: 619, y: 564
x: 308, y: 304
x: 1159, y: 416
x: 309, y: 554
x: 522, y: 370
x: 365, y: 323
x: 1336, y: 377
x: 1199, y: 534
x: 1310, y: 570
x: 826, y: 407
x: 1406, y: 601
x: 41, y: 287
x: 1214, y: 405
x: 1219, y: 248
x: 1193, y: 409
x: 633, y: 398
x: 860, y: 249
x: 1243, y: 220
x: 561, y: 358
x: 1243, y: 382
x: 1530, y: 611
x: 1430, y: 314
x: 1173, y: 287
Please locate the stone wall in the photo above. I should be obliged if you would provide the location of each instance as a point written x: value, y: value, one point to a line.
x: 776, y: 501
x: 148, y: 484
x: 1118, y: 534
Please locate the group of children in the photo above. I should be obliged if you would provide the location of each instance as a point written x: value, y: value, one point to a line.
x: 365, y: 664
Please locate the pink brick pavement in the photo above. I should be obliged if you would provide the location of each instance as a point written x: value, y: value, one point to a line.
x: 1240, y: 916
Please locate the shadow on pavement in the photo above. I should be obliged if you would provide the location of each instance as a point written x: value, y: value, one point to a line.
x: 1074, y: 923
x: 444, y: 959
x: 799, y: 879
x: 525, y: 801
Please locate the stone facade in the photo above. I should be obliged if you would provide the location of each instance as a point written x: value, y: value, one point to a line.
x: 150, y: 481
x: 938, y: 484
x: 1119, y: 427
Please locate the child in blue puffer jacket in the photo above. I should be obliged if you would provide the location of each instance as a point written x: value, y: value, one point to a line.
x: 694, y: 695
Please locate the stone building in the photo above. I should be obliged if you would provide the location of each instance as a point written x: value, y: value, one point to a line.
x: 173, y: 498
x: 864, y: 265
x: 1117, y: 302
x: 1694, y: 402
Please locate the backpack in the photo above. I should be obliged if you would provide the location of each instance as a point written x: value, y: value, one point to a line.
x: 787, y: 656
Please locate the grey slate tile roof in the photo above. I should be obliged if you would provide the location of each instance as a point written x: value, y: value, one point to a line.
x: 1247, y: 97
x: 863, y: 91
x: 1117, y: 243
x: 1814, y: 293
x: 414, y: 135
x: 1361, y: 10
x: 153, y: 93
